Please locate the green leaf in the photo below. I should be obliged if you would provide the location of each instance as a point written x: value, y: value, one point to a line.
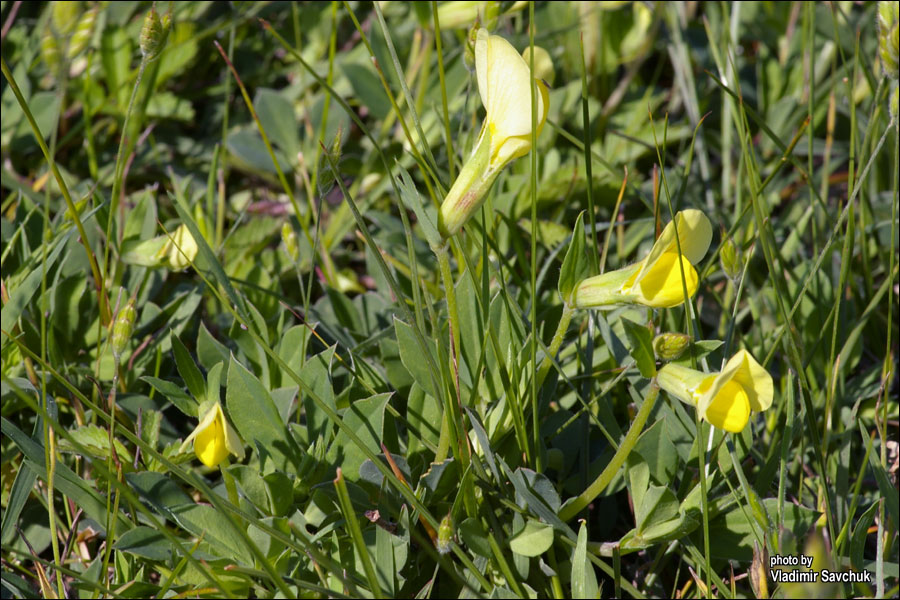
x: 411, y: 356
x: 316, y: 373
x: 145, y: 542
x: 174, y: 394
x: 532, y: 540
x: 658, y: 504
x: 278, y: 120
x: 576, y: 266
x: 641, y: 347
x: 366, y: 418
x: 257, y: 419
x: 474, y: 536
x: 67, y: 482
x: 189, y: 372
x: 424, y: 211
x: 95, y: 442
x: 219, y: 537
x: 858, y: 538
x: 731, y: 535
x: 584, y: 580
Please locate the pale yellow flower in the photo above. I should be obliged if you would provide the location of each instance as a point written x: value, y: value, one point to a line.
x: 504, y: 84
x: 656, y: 281
x: 724, y: 399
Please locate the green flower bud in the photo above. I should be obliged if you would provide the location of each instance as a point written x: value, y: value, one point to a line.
x: 669, y: 346
x: 289, y: 237
x: 728, y: 256
x: 154, y: 33
x: 888, y: 32
x: 445, y: 535
x: 64, y: 16
x: 50, y: 51
x: 123, y: 327
x: 83, y: 32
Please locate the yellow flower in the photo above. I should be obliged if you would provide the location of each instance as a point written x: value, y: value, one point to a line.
x: 724, y: 399
x: 462, y: 13
x: 214, y: 438
x: 179, y: 250
x: 504, y: 84
x: 656, y: 280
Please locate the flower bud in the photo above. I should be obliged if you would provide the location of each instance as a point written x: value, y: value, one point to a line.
x: 445, y: 535
x: 888, y: 31
x: 543, y: 64
x: 123, y: 327
x: 64, y: 16
x: 289, y: 237
x: 83, y: 32
x: 728, y: 256
x: 154, y: 33
x: 669, y: 346
x: 179, y: 250
x: 50, y: 51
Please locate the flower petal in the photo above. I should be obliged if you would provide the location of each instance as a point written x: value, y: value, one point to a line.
x: 694, y: 233
x: 503, y: 83
x: 755, y: 380
x: 209, y: 445
x: 661, y: 284
x: 729, y: 409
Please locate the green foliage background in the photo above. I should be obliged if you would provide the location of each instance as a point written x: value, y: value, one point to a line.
x: 316, y: 312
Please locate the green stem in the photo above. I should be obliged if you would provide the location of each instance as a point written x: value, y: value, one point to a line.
x: 606, y: 476
x: 355, y: 533
x: 561, y: 328
x: 119, y: 173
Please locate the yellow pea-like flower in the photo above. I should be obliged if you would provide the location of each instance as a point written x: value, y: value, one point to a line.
x: 655, y: 281
x: 179, y: 250
x: 504, y: 84
x: 214, y: 438
x: 724, y: 399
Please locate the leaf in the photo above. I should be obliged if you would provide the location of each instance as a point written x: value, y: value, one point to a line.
x: 533, y: 540
x: 366, y: 418
x: 218, y: 534
x: 278, y: 120
x: 425, y: 214
x: 174, y: 394
x: 641, y: 347
x: 257, y: 419
x: 858, y: 538
x: 584, y: 580
x: 576, y: 266
x: 188, y: 370
x: 474, y: 536
x: 67, y: 482
x: 731, y: 535
x: 95, y: 441
x: 411, y: 356
x: 146, y: 543
x: 316, y: 373
x: 21, y: 296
